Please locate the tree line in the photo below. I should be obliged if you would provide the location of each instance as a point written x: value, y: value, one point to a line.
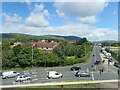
x: 22, y: 56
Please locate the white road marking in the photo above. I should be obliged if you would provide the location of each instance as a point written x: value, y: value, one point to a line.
x: 26, y: 72
x: 34, y: 75
x: 34, y: 72
x: 16, y: 83
x: 92, y: 76
x: 44, y: 78
x: 34, y: 79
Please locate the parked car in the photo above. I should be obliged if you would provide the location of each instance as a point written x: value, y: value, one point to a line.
x: 97, y: 62
x: 54, y: 74
x: 22, y: 78
x: 8, y: 74
x: 82, y: 73
x: 74, y: 68
x: 117, y: 64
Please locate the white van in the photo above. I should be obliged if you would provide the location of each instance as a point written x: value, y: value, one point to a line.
x: 7, y: 74
x: 54, y: 74
x: 108, y: 55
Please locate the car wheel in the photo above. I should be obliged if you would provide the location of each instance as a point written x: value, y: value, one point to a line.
x: 61, y: 76
x: 28, y: 79
x: 20, y: 80
x: 6, y: 77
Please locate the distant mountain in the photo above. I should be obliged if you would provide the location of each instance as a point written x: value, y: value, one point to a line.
x: 73, y: 38
x: 28, y: 37
x: 33, y: 37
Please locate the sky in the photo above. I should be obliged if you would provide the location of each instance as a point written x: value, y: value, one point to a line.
x: 95, y: 20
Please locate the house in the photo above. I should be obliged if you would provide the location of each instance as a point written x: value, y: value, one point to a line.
x: 31, y: 44
x: 43, y: 45
x: 46, y: 46
x: 16, y: 43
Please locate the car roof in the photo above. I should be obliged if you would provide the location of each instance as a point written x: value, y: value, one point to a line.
x: 8, y: 71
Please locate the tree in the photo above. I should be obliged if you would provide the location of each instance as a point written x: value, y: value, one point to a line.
x: 80, y: 51
x: 81, y: 41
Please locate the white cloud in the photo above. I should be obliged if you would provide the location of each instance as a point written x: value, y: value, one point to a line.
x: 36, y: 20
x: 46, y: 13
x: 14, y: 18
x: 81, y: 30
x: 61, y: 14
x: 90, y: 19
x: 38, y: 17
x: 28, y: 4
x: 83, y: 10
x: 38, y: 8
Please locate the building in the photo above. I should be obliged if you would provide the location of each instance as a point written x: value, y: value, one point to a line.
x: 15, y: 44
x: 46, y: 46
x: 114, y: 48
x: 43, y: 45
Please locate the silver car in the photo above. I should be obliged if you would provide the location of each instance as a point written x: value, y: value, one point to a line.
x: 82, y: 73
x: 22, y: 78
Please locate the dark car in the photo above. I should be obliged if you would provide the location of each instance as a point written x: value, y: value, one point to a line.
x: 117, y: 64
x: 82, y: 73
x: 97, y: 62
x: 110, y: 59
x: 75, y: 68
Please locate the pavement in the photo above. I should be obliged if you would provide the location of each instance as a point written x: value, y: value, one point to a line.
x: 39, y: 75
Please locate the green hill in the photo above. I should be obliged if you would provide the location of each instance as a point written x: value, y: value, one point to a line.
x: 33, y: 37
x: 28, y: 37
x: 73, y: 38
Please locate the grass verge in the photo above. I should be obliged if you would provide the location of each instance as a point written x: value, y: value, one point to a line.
x: 93, y: 85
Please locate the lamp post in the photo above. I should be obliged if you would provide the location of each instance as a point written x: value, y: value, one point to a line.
x: 32, y: 54
x: 85, y: 48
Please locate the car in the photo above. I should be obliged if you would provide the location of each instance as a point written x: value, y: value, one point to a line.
x: 110, y: 59
x: 97, y: 62
x: 82, y: 73
x: 22, y: 78
x: 74, y: 68
x: 117, y: 64
x: 54, y: 74
x: 8, y: 74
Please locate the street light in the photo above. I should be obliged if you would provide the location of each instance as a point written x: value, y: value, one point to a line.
x: 32, y: 54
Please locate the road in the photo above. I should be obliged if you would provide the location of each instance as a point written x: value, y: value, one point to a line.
x: 39, y: 75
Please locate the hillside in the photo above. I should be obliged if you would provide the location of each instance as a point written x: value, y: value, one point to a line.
x: 73, y: 38
x: 33, y: 37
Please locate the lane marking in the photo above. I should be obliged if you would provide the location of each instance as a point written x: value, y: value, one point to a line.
x: 27, y: 81
x: 34, y: 79
x: 92, y: 76
x: 15, y: 83
x: 44, y: 78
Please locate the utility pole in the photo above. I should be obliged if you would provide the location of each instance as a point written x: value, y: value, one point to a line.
x: 85, y: 48
x: 32, y: 54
